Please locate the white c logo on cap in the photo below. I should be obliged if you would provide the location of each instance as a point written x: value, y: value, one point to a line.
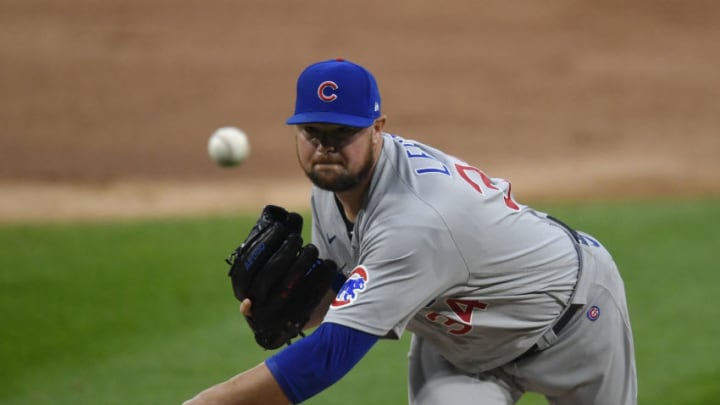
x: 321, y: 91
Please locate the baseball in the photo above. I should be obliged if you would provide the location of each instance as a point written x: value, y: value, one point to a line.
x: 228, y: 146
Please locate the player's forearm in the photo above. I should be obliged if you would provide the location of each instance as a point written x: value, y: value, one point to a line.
x: 256, y: 386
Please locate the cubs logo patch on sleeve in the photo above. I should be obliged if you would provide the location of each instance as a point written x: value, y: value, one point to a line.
x: 354, y: 285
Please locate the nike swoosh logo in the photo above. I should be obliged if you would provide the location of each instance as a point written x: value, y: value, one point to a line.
x: 331, y: 239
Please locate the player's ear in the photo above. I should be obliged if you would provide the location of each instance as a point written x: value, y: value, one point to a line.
x: 379, y: 123
x: 378, y: 126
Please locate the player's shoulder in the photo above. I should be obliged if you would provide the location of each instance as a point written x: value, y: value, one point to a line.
x: 423, y: 176
x: 401, y: 210
x: 419, y: 165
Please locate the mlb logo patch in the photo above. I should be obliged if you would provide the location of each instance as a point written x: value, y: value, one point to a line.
x: 593, y: 313
x: 354, y: 285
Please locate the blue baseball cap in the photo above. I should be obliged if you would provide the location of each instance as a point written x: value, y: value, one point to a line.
x: 336, y: 91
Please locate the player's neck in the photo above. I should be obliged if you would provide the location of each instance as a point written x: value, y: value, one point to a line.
x: 352, y: 200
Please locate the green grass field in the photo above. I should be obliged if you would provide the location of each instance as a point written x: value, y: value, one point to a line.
x: 143, y: 313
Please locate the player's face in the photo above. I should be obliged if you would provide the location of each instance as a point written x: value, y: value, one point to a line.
x: 335, y: 157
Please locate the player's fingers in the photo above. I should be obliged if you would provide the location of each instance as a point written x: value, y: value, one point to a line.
x: 245, y: 307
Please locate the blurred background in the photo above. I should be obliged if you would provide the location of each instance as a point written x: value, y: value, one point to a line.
x: 604, y: 113
x: 106, y: 106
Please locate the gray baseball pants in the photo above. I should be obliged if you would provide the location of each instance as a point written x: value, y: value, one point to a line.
x: 591, y: 363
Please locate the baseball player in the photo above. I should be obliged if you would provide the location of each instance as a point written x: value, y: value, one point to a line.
x: 501, y: 299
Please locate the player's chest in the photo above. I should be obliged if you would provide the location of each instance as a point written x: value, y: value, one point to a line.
x: 342, y: 247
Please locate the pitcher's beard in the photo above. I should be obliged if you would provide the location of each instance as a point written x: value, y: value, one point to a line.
x: 341, y: 182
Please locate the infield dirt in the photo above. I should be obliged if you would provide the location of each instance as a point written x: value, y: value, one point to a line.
x: 106, y: 107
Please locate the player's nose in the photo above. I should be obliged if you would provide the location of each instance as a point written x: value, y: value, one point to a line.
x: 325, y: 148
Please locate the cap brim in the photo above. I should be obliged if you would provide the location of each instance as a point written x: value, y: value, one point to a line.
x: 330, y: 118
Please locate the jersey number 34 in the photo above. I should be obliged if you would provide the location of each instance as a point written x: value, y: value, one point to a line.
x: 463, y: 309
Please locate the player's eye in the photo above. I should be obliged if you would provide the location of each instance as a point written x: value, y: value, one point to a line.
x: 346, y: 131
x: 336, y: 137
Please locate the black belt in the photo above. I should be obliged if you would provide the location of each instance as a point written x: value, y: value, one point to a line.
x: 571, y: 310
x: 564, y: 319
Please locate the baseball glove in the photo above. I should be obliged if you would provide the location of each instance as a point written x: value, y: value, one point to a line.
x: 284, y: 279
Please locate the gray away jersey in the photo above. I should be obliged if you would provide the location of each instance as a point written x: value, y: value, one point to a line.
x: 441, y: 249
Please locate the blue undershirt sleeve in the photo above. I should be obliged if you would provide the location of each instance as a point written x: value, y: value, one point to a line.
x: 317, y: 361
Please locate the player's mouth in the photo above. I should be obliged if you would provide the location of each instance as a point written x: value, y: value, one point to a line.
x: 326, y: 164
